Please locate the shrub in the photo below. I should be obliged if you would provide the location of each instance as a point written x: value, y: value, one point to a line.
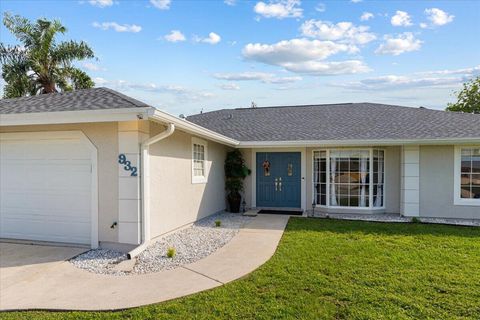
x: 171, y: 252
x: 415, y: 220
x: 235, y: 172
x: 218, y: 223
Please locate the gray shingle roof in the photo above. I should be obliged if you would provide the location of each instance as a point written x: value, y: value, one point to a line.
x: 88, y: 99
x: 349, y: 121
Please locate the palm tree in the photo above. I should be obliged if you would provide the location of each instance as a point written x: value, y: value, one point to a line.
x: 40, y: 65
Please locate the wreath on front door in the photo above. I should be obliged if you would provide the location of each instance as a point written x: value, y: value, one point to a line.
x: 266, y: 168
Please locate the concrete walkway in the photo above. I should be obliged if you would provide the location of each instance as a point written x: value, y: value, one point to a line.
x: 56, y: 284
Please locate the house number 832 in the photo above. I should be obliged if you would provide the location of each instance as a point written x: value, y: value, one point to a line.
x: 127, y: 165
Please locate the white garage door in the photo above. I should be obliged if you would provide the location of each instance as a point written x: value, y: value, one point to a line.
x: 46, y: 187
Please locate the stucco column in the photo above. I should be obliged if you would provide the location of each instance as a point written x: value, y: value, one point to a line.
x: 130, y: 135
x: 410, y: 191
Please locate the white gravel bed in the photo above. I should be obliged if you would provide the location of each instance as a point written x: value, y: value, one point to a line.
x: 452, y: 221
x: 191, y: 244
x: 99, y: 260
x: 397, y: 218
x: 363, y: 217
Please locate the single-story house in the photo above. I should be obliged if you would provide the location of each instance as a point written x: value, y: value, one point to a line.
x: 96, y: 167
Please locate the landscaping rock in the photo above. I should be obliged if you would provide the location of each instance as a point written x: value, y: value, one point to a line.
x: 191, y: 244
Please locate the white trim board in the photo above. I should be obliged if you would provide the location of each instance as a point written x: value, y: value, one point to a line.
x: 190, y: 127
x: 61, y: 117
x: 354, y: 143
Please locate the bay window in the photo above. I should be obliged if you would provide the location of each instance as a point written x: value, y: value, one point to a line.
x: 349, y: 178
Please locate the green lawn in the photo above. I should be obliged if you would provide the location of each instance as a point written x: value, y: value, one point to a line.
x: 330, y: 269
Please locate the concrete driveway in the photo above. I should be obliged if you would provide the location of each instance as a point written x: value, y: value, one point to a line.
x: 38, y: 277
x: 20, y: 263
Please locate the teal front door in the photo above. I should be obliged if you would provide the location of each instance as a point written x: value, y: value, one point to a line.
x: 278, y: 179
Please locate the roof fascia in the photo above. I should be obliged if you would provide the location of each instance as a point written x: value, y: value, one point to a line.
x: 346, y: 143
x: 82, y: 116
x: 190, y: 127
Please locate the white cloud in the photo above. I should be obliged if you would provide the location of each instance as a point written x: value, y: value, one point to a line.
x: 295, y: 50
x: 401, y: 19
x: 423, y: 25
x: 230, y: 2
x: 282, y: 80
x: 229, y: 86
x: 93, y: 67
x: 212, y: 38
x: 327, y: 67
x: 395, y: 82
x: 117, y: 27
x: 366, y: 16
x: 404, y: 42
x: 180, y: 93
x: 466, y: 72
x: 304, y: 56
x: 321, y: 7
x: 279, y: 9
x: 356, y: 1
x: 100, y: 81
x: 425, y: 79
x: 256, y: 76
x: 437, y: 17
x: 242, y: 76
x: 161, y: 4
x: 101, y: 3
x: 175, y: 36
x: 345, y: 32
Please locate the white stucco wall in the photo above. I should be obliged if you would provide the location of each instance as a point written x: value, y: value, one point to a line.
x: 174, y: 200
x: 392, y: 179
x: 247, y: 193
x: 105, y: 138
x: 437, y: 185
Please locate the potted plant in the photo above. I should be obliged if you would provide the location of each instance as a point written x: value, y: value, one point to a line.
x: 235, y: 172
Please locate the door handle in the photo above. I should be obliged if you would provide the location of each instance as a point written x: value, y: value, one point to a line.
x: 276, y: 184
x: 280, y: 184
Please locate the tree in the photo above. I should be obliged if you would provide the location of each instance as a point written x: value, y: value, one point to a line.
x: 468, y: 99
x: 41, y: 65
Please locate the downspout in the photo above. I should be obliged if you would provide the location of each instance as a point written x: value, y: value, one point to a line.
x: 145, y: 189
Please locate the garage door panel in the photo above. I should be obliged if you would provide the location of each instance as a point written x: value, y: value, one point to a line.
x: 79, y: 234
x: 44, y: 149
x: 45, y: 204
x: 46, y: 179
x: 46, y: 190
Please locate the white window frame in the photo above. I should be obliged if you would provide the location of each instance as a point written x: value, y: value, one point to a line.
x: 204, y: 178
x: 370, y: 205
x: 457, y: 199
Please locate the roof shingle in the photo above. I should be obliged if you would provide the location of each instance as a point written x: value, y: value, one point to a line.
x: 349, y: 121
x: 78, y: 100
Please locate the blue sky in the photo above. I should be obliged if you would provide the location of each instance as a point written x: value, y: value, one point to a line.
x: 186, y: 56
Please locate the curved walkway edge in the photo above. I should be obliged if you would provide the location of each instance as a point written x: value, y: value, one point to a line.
x: 64, y: 287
